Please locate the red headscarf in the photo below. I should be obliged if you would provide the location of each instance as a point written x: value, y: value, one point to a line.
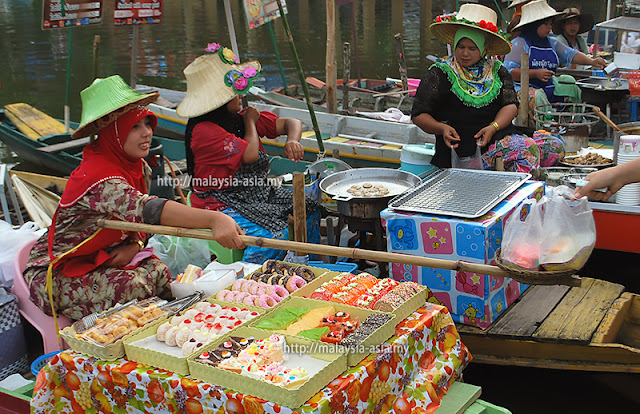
x: 105, y: 158
x: 102, y: 160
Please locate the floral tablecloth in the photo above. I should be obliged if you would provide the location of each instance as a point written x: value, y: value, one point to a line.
x: 410, y: 373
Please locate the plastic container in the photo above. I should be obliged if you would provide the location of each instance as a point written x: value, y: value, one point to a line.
x: 336, y: 267
x: 626, y: 60
x: 416, y: 159
x: 41, y: 361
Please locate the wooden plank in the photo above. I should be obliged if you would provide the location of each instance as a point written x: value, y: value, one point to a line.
x: 36, y: 120
x: 22, y: 127
x: 73, y: 143
x: 613, y: 320
x: 529, y: 312
x: 573, y: 356
x: 580, y: 312
x: 459, y: 397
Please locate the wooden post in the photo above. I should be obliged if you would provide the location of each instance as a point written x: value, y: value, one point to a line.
x: 96, y: 54
x: 330, y: 71
x: 345, y: 76
x: 523, y: 109
x: 401, y: 62
x: 354, y: 36
x: 299, y: 209
x: 134, y: 55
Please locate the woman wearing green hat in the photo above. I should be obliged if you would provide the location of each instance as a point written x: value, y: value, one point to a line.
x: 468, y: 99
x: 225, y: 157
x: 78, y: 268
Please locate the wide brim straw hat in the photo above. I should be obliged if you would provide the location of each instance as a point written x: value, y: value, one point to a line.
x: 477, y: 17
x: 215, y: 79
x: 535, y: 11
x: 586, y: 20
x: 514, y: 3
x: 105, y: 100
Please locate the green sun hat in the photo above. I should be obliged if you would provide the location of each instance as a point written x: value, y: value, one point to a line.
x: 105, y: 100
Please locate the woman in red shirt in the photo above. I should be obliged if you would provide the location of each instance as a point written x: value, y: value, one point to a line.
x: 225, y: 158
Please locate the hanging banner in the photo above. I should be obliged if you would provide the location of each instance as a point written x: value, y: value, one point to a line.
x: 75, y: 13
x: 260, y: 12
x: 130, y: 12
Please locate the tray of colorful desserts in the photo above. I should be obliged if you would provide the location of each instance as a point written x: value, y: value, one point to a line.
x: 366, y: 291
x: 358, y: 330
x: 104, y: 339
x: 271, y: 284
x: 168, y: 344
x: 279, y: 368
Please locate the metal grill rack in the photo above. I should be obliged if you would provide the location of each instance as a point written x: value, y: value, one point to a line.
x: 459, y: 193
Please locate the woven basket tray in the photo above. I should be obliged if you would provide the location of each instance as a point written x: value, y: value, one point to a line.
x: 539, y: 277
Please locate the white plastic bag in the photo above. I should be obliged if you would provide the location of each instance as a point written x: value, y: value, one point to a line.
x: 569, y: 231
x: 179, y: 252
x: 523, y: 233
x: 473, y: 162
x: 12, y: 240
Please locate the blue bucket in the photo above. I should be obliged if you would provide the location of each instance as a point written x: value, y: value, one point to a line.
x: 337, y: 267
x: 41, y: 361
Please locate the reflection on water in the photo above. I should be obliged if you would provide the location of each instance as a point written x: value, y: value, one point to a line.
x: 35, y: 61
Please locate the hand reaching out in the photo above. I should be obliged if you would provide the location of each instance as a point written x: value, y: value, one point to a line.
x: 451, y: 137
x: 484, y: 135
x: 293, y: 150
x: 123, y: 254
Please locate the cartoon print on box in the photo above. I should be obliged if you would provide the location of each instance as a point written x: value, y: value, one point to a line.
x: 439, y: 298
x: 494, y: 235
x: 403, y: 234
x: 495, y: 283
x: 436, y: 237
x: 439, y: 279
x: 498, y: 305
x: 471, y: 283
x: 512, y: 291
x: 470, y: 241
x: 404, y: 272
x: 471, y: 309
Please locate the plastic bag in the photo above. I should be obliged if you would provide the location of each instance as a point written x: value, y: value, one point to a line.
x: 179, y: 252
x: 12, y: 240
x: 569, y: 231
x: 523, y: 232
x: 473, y: 162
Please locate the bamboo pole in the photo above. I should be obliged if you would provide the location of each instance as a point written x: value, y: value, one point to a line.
x: 401, y: 61
x: 303, y: 82
x: 299, y: 210
x: 96, y: 55
x: 346, y: 72
x: 330, y: 59
x: 352, y: 253
x: 275, y: 48
x: 523, y: 109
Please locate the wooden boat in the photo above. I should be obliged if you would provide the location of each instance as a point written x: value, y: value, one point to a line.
x: 22, y: 132
x: 30, y: 148
x: 594, y: 327
x: 277, y: 98
x: 361, y: 142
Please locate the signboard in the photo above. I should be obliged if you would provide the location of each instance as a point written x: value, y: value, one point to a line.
x: 75, y: 13
x: 260, y: 12
x: 130, y: 12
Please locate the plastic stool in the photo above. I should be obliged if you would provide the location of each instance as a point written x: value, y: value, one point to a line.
x: 36, y: 317
x: 223, y: 255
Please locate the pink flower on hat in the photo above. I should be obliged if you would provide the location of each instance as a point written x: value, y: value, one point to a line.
x: 241, y: 83
x: 249, y: 72
x: 212, y: 47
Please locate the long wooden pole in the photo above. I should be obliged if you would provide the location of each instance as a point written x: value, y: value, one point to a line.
x: 346, y: 74
x: 330, y: 59
x: 303, y: 82
x: 523, y: 110
x: 401, y: 62
x: 321, y: 249
x: 299, y: 210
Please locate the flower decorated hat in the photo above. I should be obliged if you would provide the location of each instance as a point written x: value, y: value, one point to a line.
x: 105, y: 100
x: 214, y: 79
x: 474, y: 16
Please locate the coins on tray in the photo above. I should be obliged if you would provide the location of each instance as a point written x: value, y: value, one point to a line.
x: 367, y: 190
